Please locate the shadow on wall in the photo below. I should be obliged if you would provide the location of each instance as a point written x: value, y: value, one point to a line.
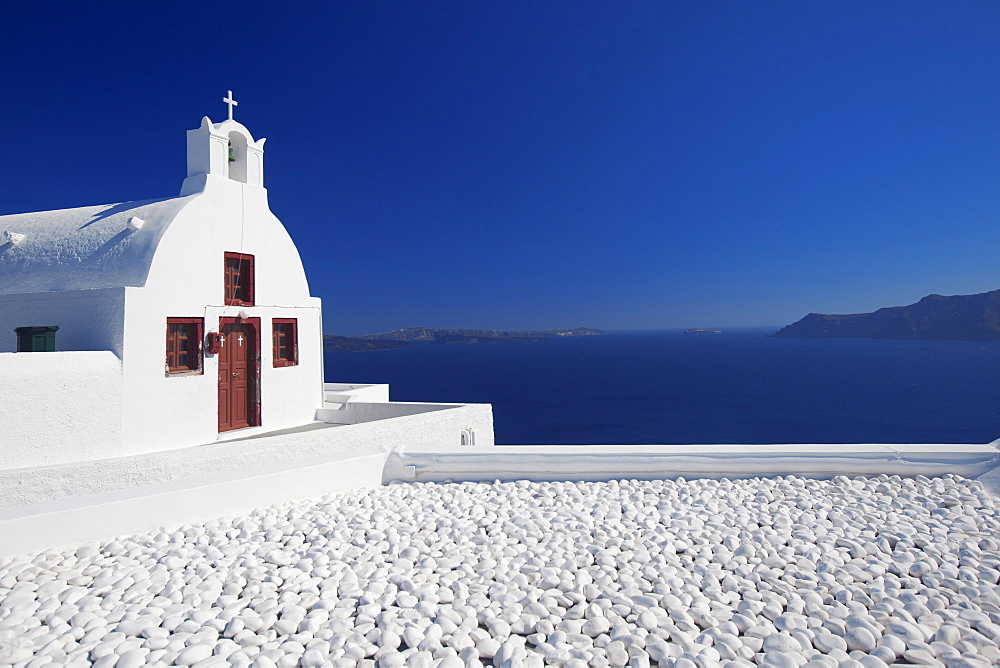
x: 96, y: 256
x: 119, y: 208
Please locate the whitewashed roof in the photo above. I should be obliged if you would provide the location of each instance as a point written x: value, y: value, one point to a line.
x: 87, y: 248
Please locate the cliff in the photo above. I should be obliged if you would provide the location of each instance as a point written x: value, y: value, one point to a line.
x: 971, y: 317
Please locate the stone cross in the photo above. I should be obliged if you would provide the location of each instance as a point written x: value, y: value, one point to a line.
x: 231, y: 102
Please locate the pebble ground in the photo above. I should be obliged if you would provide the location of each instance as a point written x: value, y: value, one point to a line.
x: 786, y: 571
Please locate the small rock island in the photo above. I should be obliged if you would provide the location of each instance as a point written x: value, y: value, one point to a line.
x: 960, y: 317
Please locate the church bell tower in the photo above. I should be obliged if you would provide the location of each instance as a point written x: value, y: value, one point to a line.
x: 226, y: 150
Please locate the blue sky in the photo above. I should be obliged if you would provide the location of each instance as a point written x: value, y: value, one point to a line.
x: 547, y: 164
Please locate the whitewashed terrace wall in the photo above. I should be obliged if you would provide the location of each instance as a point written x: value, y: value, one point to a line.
x: 61, y: 505
x: 101, y: 516
x: 357, y: 412
x: 652, y: 462
x: 58, y: 407
x: 338, y: 392
x: 431, y: 428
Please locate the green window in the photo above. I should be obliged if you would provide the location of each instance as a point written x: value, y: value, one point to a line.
x: 36, y: 339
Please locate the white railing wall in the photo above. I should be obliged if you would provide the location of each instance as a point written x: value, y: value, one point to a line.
x: 59, y: 407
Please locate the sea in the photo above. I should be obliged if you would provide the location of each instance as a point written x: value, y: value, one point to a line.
x: 669, y: 387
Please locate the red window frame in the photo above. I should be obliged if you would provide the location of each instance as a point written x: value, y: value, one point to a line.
x: 184, y: 346
x: 284, y: 341
x: 238, y: 279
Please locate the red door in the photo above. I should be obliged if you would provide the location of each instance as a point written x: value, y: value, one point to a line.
x: 238, y: 363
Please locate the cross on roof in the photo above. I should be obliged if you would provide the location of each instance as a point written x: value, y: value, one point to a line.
x: 231, y: 102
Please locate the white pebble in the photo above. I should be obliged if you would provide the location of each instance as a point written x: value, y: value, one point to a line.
x: 861, y: 639
x: 784, y: 571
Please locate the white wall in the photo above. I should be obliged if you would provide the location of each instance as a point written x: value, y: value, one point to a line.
x: 654, y: 462
x: 186, y: 500
x: 186, y: 280
x: 435, y: 429
x: 48, y: 506
x: 59, y: 407
x: 87, y: 319
x: 359, y: 412
x: 337, y: 392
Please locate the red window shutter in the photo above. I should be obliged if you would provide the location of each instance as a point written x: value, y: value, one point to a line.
x: 238, y: 279
x: 184, y: 349
x: 285, y: 344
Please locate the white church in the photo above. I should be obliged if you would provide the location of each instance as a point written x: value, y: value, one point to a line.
x: 159, y: 324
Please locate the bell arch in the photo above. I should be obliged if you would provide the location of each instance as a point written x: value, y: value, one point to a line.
x: 237, y: 157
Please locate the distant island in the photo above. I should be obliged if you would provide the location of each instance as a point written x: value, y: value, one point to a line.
x: 702, y: 330
x: 961, y: 317
x: 355, y: 344
x: 404, y: 338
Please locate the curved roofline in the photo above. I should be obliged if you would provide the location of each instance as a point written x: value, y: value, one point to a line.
x: 85, y: 248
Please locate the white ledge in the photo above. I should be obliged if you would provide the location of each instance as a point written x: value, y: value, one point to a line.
x: 649, y: 462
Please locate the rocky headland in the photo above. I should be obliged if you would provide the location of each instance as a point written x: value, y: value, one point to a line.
x: 961, y: 317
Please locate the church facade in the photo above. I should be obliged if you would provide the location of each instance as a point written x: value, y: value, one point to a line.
x: 157, y: 324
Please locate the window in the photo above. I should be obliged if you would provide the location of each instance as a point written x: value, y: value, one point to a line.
x: 239, y: 279
x: 184, y: 345
x: 285, y: 337
x: 36, y: 339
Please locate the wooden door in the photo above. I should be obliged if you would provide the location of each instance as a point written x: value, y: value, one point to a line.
x: 238, y: 362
